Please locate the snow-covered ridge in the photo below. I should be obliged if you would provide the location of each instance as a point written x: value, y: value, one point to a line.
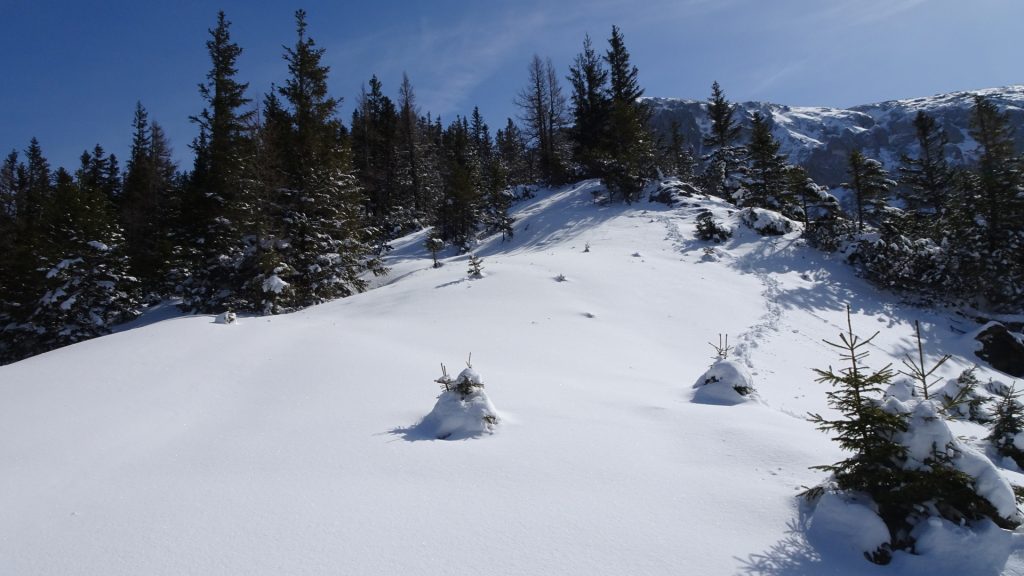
x: 820, y: 138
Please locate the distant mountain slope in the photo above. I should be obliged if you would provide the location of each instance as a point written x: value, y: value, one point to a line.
x: 820, y: 138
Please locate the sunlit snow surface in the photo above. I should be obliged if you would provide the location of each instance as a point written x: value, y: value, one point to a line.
x: 281, y: 445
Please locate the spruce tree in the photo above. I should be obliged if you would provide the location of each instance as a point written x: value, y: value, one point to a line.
x: 1007, y: 425
x: 630, y: 160
x: 870, y: 183
x: 677, y: 156
x: 767, y: 169
x: 724, y: 164
x: 998, y: 191
x: 926, y: 180
x: 591, y: 110
x: 410, y: 151
x: 326, y: 240
x: 374, y: 138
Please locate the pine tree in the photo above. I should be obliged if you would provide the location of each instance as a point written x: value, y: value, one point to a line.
x: 374, y: 138
x: 459, y: 214
x: 511, y: 150
x: 677, y: 156
x: 630, y: 160
x: 767, y: 169
x: 725, y: 162
x: 927, y: 179
x: 998, y: 190
x: 870, y: 183
x: 326, y: 241
x: 410, y: 153
x: 86, y: 288
x: 591, y: 110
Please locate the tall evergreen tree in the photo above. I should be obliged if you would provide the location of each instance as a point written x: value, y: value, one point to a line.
x: 374, y: 140
x: 591, y: 110
x: 998, y: 197
x: 725, y: 162
x: 925, y: 181
x: 410, y: 152
x: 214, y: 239
x: 325, y: 241
x: 870, y: 184
x: 767, y: 169
x: 631, y: 152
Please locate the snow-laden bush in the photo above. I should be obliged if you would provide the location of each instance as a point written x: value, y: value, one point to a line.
x: 463, y: 409
x: 708, y: 229
x: 766, y: 222
x: 227, y: 317
x: 905, y: 464
x: 726, y: 382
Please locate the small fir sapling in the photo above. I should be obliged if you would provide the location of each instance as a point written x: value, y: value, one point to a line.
x: 476, y: 267
x: 880, y: 433
x: 434, y: 245
x: 916, y: 369
x: 726, y: 381
x: 463, y: 409
x: 1007, y: 434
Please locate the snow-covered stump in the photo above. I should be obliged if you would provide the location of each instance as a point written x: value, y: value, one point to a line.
x: 725, y: 383
x: 462, y: 411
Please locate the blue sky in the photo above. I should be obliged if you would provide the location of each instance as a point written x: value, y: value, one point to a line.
x: 73, y: 70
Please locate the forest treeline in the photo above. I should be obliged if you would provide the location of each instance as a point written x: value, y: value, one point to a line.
x: 286, y: 205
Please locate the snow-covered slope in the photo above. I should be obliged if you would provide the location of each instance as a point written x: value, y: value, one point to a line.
x: 821, y: 138
x: 288, y: 445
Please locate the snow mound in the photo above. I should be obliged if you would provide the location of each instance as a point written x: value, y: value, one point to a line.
x: 726, y: 383
x: 225, y: 318
x: 766, y: 222
x: 847, y: 526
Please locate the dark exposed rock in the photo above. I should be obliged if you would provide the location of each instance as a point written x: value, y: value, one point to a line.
x: 1002, y: 349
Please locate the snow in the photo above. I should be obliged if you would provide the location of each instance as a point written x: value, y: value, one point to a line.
x: 289, y: 444
x: 847, y: 526
x: 274, y: 284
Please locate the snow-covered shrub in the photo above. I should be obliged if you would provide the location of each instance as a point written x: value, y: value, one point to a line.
x: 766, y: 222
x: 725, y: 382
x: 672, y: 192
x: 905, y: 463
x: 227, y: 317
x: 708, y: 229
x: 463, y: 409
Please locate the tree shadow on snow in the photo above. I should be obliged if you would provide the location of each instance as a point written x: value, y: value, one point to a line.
x: 791, y: 556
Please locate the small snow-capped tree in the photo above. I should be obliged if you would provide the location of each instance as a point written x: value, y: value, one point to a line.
x: 476, y: 267
x: 434, y: 244
x: 463, y: 409
x: 1007, y: 434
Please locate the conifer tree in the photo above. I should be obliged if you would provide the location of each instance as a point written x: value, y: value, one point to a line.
x: 1007, y: 424
x: 511, y: 150
x: 766, y: 168
x: 630, y: 159
x: 410, y: 152
x: 677, y: 155
x: 998, y: 197
x: 374, y: 140
x: 870, y: 183
x: 326, y: 240
x: 591, y: 110
x: 927, y: 179
x: 724, y: 164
